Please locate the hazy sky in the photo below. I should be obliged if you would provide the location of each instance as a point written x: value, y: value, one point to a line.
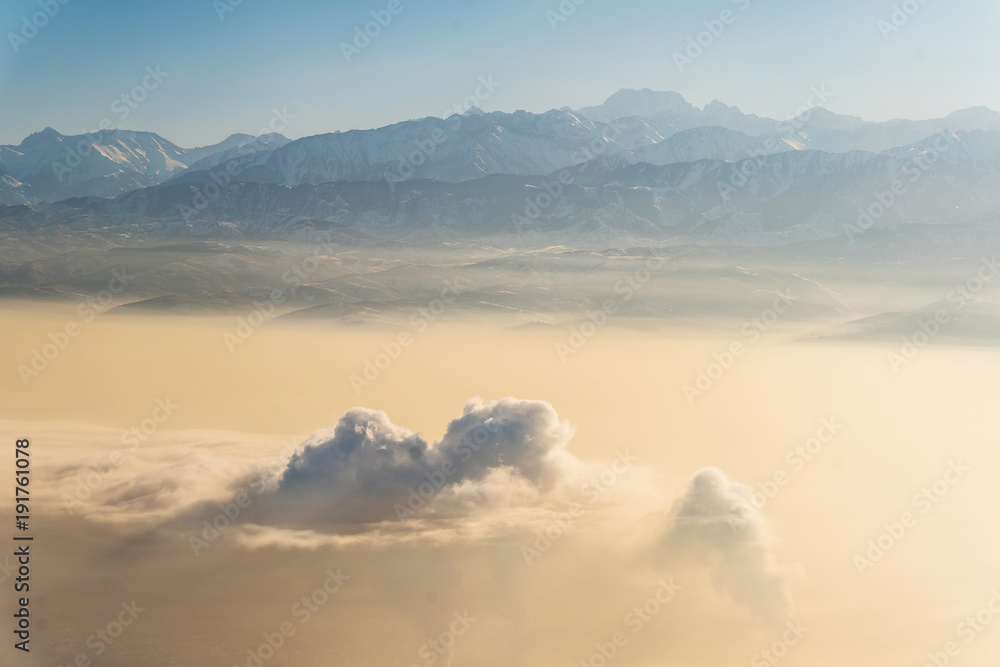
x: 227, y: 74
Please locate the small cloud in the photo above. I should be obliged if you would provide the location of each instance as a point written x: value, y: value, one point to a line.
x: 714, y: 523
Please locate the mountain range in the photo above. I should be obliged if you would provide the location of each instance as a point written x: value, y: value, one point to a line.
x: 643, y: 164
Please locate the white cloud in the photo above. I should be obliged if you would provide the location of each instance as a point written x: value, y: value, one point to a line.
x: 713, y: 522
x: 368, y: 470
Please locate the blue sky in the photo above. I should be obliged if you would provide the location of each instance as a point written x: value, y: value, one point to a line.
x: 227, y: 75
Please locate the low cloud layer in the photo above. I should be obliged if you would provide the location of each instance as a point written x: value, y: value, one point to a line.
x: 498, y: 516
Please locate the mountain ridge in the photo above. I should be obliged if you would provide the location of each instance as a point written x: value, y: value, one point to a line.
x: 681, y: 170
